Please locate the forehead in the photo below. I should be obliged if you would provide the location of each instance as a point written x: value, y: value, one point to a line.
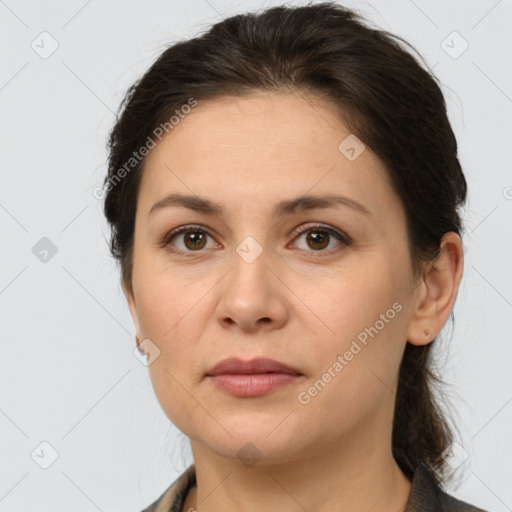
x: 261, y: 119
x: 262, y: 147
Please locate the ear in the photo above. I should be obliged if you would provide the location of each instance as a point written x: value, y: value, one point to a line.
x: 130, y: 298
x: 437, y: 291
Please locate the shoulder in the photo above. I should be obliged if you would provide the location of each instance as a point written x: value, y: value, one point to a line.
x: 171, y: 500
x: 427, y: 496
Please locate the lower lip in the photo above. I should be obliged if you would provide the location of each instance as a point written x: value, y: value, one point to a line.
x: 252, y: 384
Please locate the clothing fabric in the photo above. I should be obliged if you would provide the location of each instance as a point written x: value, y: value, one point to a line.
x: 426, y: 495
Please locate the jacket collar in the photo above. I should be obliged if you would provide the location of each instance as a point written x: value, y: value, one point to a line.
x: 425, y: 495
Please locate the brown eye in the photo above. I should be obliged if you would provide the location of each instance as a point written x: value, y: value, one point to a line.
x: 196, y: 240
x: 318, y: 237
x: 186, y: 239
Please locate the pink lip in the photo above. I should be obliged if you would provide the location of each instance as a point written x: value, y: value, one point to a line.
x: 258, y: 365
x: 256, y: 377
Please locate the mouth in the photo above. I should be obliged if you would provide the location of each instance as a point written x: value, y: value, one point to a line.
x: 253, y: 378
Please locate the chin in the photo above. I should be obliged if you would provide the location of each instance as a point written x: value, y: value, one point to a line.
x: 252, y: 439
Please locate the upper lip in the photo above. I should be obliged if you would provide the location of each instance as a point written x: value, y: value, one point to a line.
x: 258, y: 365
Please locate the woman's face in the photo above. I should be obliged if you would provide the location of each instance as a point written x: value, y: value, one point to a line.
x: 246, y: 284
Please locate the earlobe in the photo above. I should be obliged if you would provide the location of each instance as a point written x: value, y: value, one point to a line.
x: 440, y: 284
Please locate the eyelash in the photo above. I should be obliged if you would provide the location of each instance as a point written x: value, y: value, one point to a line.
x: 194, y: 228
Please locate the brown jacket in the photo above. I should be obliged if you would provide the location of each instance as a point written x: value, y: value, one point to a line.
x: 426, y: 495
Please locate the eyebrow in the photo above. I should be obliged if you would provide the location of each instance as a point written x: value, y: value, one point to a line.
x: 281, y: 209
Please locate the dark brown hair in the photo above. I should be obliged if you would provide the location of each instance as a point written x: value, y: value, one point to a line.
x: 383, y: 95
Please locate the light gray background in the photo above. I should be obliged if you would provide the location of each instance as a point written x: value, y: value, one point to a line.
x: 68, y: 375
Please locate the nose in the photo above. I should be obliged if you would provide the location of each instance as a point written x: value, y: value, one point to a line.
x: 254, y: 296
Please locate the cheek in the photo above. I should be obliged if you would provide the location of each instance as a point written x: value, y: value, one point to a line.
x: 356, y: 371
x: 364, y: 344
x: 165, y: 304
x: 168, y: 320
x: 357, y: 304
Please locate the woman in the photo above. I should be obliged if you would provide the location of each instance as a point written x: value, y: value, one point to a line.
x: 283, y: 193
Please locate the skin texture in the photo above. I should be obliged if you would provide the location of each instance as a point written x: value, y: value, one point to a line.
x: 295, y: 303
